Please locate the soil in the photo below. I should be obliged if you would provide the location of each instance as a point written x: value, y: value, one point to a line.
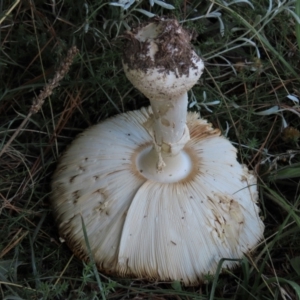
x: 175, y: 52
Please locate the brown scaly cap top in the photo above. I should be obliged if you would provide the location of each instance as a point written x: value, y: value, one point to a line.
x: 174, y: 51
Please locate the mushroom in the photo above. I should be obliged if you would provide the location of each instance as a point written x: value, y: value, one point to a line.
x: 161, y: 193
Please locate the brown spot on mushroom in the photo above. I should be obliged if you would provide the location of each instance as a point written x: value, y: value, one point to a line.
x: 72, y: 178
x: 165, y: 122
x: 80, y: 168
x: 76, y: 196
x: 99, y: 191
x: 102, y: 207
x: 244, y: 178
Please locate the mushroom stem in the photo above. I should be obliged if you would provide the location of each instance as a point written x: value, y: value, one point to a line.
x: 160, y: 61
x: 170, y: 132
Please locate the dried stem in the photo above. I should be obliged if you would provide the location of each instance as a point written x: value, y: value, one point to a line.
x: 46, y: 92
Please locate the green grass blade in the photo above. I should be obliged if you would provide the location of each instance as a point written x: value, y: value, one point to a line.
x: 216, y: 276
x: 297, y: 24
x: 92, y: 260
x: 286, y: 173
x: 283, y: 203
x: 264, y: 41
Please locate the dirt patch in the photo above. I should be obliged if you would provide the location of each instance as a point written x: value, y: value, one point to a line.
x: 174, y: 50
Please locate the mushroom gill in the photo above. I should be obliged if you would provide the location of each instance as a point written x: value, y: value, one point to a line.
x: 177, y: 227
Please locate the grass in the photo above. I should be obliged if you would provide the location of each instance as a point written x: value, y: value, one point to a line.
x: 252, y: 65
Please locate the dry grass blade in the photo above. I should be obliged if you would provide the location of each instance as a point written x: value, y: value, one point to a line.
x: 17, y: 238
x: 46, y: 92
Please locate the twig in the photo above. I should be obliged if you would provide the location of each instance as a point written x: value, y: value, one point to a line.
x: 38, y: 101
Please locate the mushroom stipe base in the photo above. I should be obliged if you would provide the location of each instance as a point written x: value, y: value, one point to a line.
x: 178, y: 168
x: 138, y: 226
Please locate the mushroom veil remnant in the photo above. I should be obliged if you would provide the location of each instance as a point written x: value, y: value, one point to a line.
x: 160, y: 191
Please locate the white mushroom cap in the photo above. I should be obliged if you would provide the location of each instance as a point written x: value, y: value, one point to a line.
x: 137, y: 226
x: 159, y: 59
